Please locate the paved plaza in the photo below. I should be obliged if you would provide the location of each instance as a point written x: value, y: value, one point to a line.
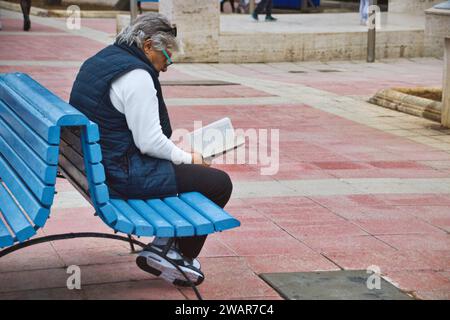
x: 357, y: 185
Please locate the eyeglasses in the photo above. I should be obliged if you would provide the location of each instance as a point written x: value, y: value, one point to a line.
x: 169, y: 61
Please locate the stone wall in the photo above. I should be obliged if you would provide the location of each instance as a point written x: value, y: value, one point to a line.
x: 237, y: 48
x: 445, y: 120
x: 106, y: 3
x: 198, y: 23
x: 437, y: 27
x: 411, y: 6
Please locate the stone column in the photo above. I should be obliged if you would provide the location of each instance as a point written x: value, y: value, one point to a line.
x: 198, y: 24
x: 411, y: 6
x: 437, y: 27
x: 445, y: 117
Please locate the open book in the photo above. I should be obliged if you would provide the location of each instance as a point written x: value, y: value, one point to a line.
x: 215, y: 139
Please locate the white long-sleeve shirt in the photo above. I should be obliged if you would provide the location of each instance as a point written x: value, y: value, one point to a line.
x: 134, y: 95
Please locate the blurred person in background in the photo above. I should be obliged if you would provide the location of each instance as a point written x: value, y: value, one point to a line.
x: 267, y: 5
x: 26, y: 6
x: 222, y: 2
x: 363, y: 11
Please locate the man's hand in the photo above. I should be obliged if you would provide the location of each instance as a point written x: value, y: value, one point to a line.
x: 197, y: 158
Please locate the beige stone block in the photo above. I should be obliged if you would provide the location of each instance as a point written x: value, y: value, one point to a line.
x: 411, y: 6
x: 122, y: 20
x: 198, y: 23
x: 437, y: 27
x: 445, y: 120
x: 105, y: 3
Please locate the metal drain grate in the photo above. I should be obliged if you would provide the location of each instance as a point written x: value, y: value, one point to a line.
x: 332, y: 285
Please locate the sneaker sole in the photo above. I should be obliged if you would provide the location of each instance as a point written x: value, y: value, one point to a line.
x: 162, y: 268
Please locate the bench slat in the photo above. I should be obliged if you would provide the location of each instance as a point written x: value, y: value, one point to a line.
x: 34, y: 119
x: 181, y: 225
x: 221, y: 219
x: 122, y: 223
x: 99, y: 192
x: 69, y: 152
x: 46, y: 173
x: 162, y: 227
x: 69, y: 168
x: 27, y: 200
x: 48, y: 105
x: 73, y: 141
x: 94, y: 152
x: 15, y: 218
x: 201, y: 224
x: 98, y: 171
x: 47, y: 152
x: 93, y: 134
x: 107, y: 213
x: 5, y: 237
x: 44, y: 193
x: 141, y: 226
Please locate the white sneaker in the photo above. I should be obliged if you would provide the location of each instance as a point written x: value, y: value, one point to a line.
x: 153, y: 260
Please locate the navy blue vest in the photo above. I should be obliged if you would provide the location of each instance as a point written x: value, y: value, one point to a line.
x: 129, y: 173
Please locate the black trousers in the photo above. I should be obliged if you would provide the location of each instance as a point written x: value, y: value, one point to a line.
x: 26, y: 7
x: 264, y: 4
x: 213, y: 184
x: 223, y: 2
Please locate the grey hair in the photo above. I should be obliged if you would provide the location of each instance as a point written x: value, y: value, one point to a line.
x: 153, y: 26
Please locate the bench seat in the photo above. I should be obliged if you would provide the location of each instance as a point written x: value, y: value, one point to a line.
x: 185, y: 215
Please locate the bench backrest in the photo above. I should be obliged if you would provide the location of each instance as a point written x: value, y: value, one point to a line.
x: 31, y: 118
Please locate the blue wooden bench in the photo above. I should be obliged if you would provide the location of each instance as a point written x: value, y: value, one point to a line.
x: 40, y: 133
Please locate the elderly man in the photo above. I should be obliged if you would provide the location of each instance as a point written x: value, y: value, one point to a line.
x: 118, y: 88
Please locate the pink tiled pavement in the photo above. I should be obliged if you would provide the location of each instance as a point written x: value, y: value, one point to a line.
x: 105, y: 25
x: 346, y: 80
x: 224, y: 91
x: 222, y: 284
x: 38, y: 47
x: 17, y: 25
x: 58, y: 80
x: 429, y: 280
x: 405, y: 235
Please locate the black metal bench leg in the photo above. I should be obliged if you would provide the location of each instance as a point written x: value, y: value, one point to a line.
x: 168, y: 246
x: 65, y: 236
x: 130, y: 240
